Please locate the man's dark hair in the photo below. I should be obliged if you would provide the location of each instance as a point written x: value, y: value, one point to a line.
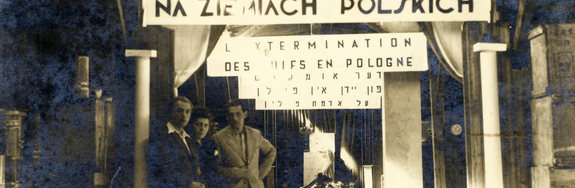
x: 201, y: 113
x: 176, y: 99
x: 235, y: 102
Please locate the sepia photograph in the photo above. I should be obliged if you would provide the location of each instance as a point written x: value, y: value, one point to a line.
x: 287, y: 93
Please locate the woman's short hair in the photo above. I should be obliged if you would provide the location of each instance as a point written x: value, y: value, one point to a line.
x: 201, y: 113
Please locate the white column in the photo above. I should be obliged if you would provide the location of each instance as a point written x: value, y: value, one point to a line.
x: 142, y: 116
x: 2, y: 169
x: 490, y: 107
x: 367, y: 173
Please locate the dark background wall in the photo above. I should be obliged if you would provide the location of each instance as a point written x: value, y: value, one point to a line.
x: 40, y: 41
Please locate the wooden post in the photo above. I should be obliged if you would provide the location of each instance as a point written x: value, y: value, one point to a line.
x: 201, y: 85
x: 522, y: 81
x: 2, y: 169
x: 100, y: 132
x: 142, y: 115
x: 401, y: 130
x: 13, y: 145
x: 83, y: 77
x: 110, y: 131
x: 472, y: 33
x: 542, y: 131
x: 437, y: 90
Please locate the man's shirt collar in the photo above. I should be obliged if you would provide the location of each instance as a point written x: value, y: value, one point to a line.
x: 236, y: 132
x: 172, y: 129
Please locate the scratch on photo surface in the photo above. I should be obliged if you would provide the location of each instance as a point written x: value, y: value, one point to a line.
x: 115, y: 174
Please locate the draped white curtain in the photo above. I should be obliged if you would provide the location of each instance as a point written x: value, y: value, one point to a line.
x: 190, y: 49
x: 448, y: 38
x: 191, y: 46
x: 445, y: 39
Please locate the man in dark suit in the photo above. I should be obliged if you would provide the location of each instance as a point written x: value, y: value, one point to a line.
x: 239, y: 149
x: 172, y: 153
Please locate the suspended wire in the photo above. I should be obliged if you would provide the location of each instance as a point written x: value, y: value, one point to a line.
x: 302, y: 120
x: 307, y: 117
x: 344, y: 131
x: 330, y: 25
x: 291, y: 119
x: 288, y: 116
x: 316, y: 126
x: 294, y: 118
x: 334, y: 121
x: 372, y: 128
x: 275, y: 140
x: 367, y: 136
x: 353, y: 129
x: 275, y: 170
x: 229, y: 92
x: 310, y: 29
x: 324, y: 120
x: 371, y: 135
x: 295, y: 115
x: 274, y: 130
x: 197, y: 90
x: 363, y: 141
x: 266, y: 124
x: 344, y: 126
x: 320, y: 121
x: 327, y: 120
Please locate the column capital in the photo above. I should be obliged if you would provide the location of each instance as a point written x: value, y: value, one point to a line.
x: 486, y: 46
x: 141, y: 53
x: 97, y: 92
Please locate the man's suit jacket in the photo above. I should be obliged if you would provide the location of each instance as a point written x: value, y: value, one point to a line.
x: 171, y: 165
x: 232, y: 157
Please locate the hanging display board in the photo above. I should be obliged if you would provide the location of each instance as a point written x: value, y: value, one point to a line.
x: 245, y: 12
x: 319, y: 71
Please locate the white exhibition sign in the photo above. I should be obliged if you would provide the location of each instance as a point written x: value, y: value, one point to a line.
x: 317, y: 71
x: 246, y: 12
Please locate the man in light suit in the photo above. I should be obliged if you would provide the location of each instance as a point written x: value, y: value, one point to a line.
x: 239, y: 147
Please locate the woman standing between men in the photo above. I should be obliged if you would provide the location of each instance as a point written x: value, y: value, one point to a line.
x: 206, y: 148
